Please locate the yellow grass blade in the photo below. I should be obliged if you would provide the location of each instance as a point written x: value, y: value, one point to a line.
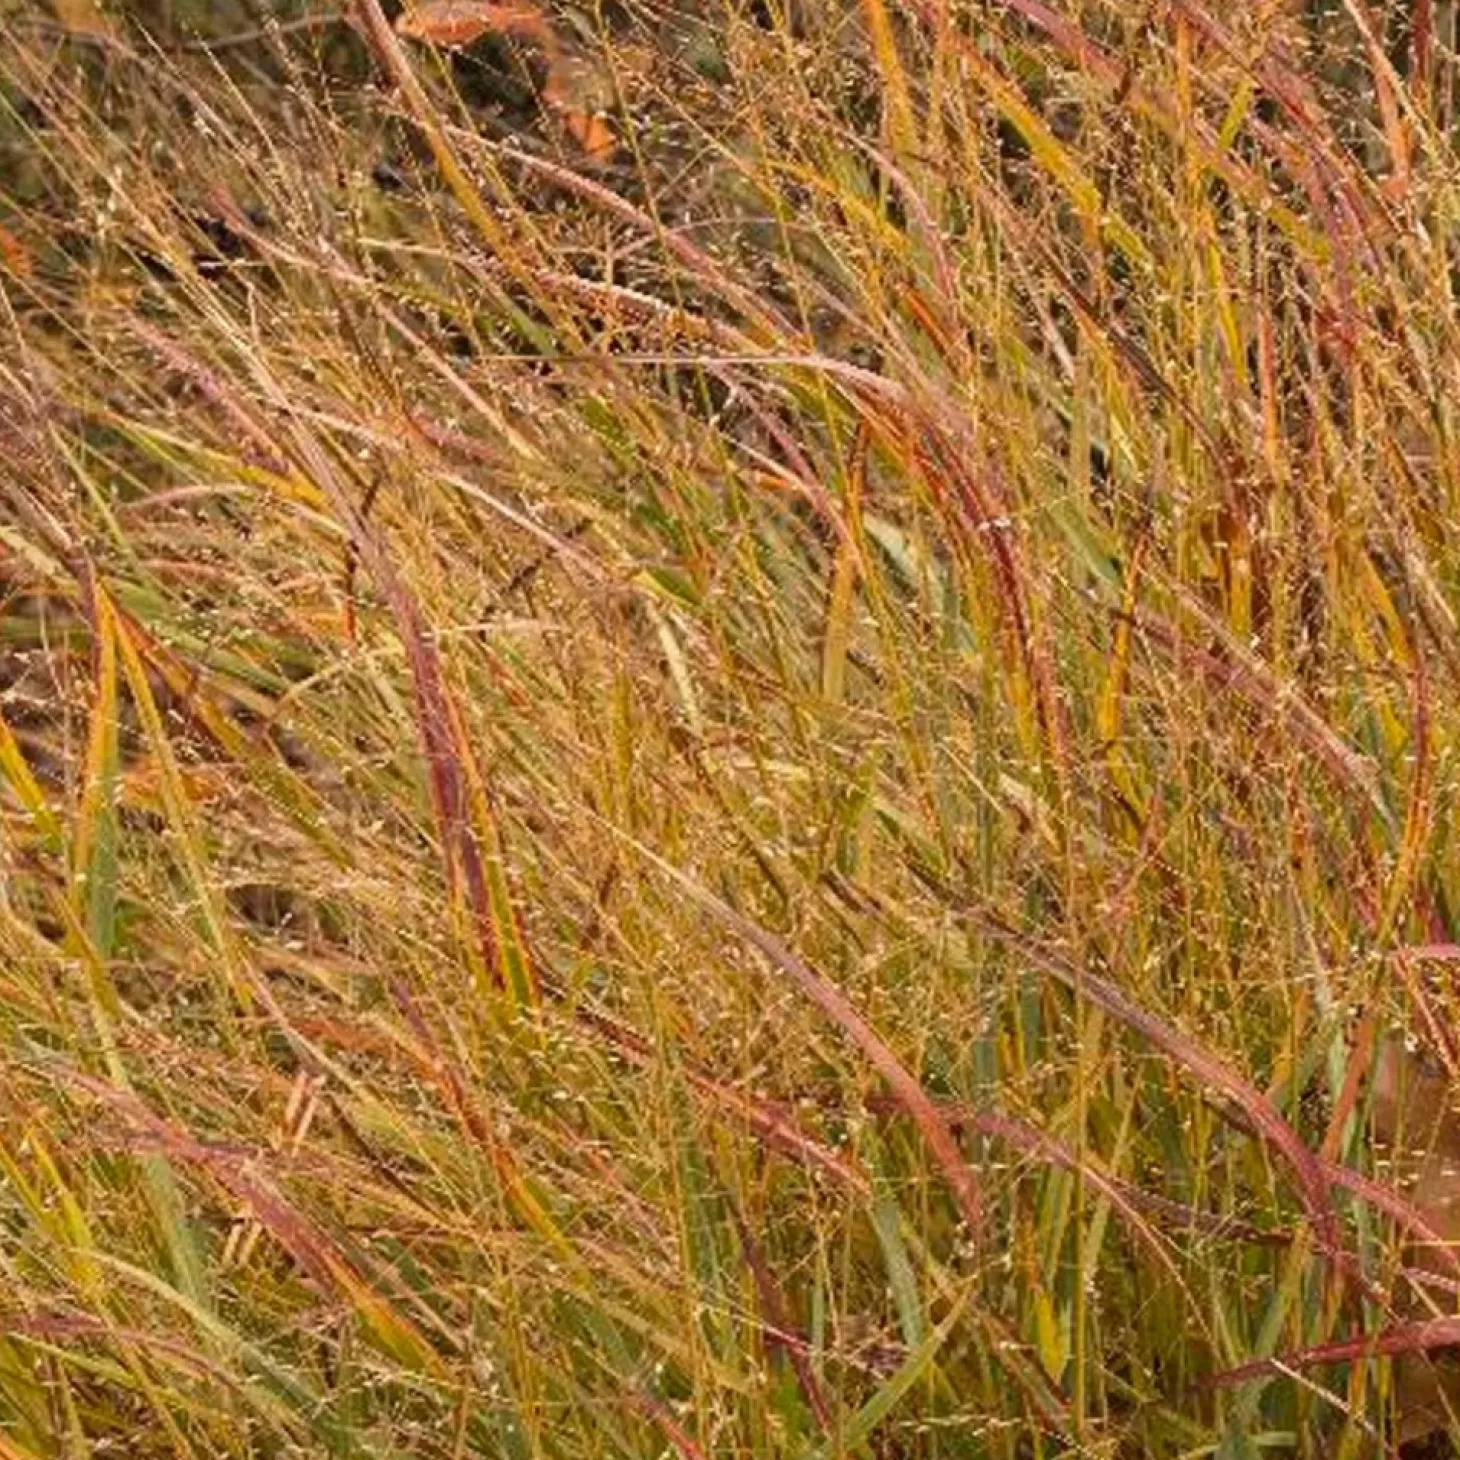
x: 232, y: 980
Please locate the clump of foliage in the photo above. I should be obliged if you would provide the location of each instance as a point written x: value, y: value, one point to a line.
x: 723, y: 727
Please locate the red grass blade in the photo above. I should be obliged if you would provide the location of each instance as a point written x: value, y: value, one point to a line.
x: 1314, y: 1181
x: 1406, y: 1338
x: 821, y: 992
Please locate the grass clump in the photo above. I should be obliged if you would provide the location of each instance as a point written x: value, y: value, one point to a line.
x: 724, y: 730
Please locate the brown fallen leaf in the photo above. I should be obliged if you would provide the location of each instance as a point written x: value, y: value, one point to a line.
x: 1413, y: 1114
x: 81, y: 17
x: 460, y: 22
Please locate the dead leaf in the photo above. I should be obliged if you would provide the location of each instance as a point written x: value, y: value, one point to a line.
x: 1413, y: 1114
x: 81, y: 17
x: 460, y: 22
x: 13, y: 254
x: 591, y: 133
